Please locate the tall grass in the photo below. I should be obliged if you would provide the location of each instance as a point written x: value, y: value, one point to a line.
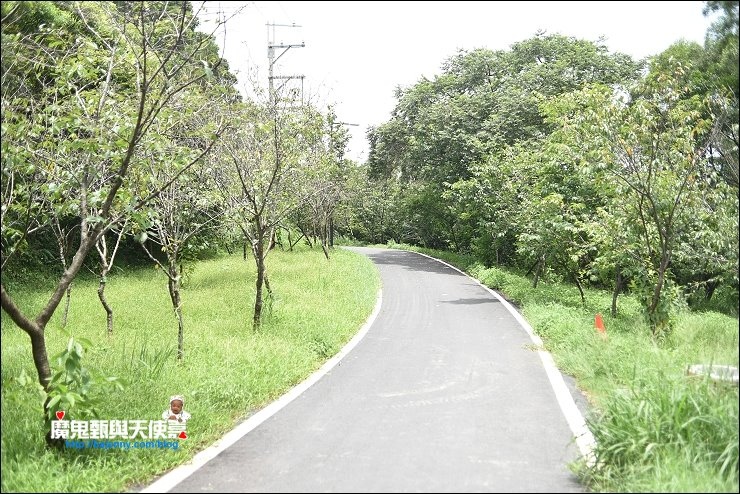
x: 228, y: 371
x: 657, y: 429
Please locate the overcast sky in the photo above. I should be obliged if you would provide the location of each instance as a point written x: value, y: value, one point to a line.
x: 357, y: 53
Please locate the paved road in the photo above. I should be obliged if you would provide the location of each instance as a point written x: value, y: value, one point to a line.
x: 443, y: 394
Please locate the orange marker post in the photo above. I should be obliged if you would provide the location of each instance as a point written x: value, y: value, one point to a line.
x: 599, y: 323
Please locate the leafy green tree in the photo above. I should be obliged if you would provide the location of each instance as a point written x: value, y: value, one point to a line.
x: 722, y: 43
x: 267, y: 150
x: 83, y: 95
x: 181, y: 212
x: 654, y: 148
x: 325, y: 176
x: 443, y: 129
x: 721, y: 62
x: 371, y: 209
x: 554, y: 212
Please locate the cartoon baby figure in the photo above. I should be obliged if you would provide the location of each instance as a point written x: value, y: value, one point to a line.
x: 176, y: 412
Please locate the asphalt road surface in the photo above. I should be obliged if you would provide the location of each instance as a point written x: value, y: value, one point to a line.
x: 443, y: 394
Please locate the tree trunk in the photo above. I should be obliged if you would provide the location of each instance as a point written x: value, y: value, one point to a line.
x: 653, y: 308
x: 40, y: 358
x: 259, y: 259
x: 101, y: 296
x: 531, y: 268
x: 540, y: 269
x: 293, y: 244
x: 325, y: 249
x: 331, y: 231
x: 325, y: 239
x: 35, y: 329
x: 62, y: 239
x: 174, y: 287
x: 304, y: 234
x: 66, y: 306
x: 709, y: 289
x: 617, y: 290
x: 267, y: 284
x: 580, y: 288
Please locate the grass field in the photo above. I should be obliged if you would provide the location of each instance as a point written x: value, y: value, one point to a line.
x: 228, y: 372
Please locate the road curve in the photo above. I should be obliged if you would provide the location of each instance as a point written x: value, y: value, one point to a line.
x: 443, y: 394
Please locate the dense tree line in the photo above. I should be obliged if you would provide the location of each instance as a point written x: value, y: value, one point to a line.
x: 564, y: 160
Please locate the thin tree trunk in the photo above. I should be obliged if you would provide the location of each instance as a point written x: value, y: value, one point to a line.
x: 40, y: 359
x: 35, y: 329
x: 331, y: 231
x: 531, y: 268
x: 104, y: 301
x: 580, y: 288
x: 540, y: 269
x: 293, y: 244
x: 324, y: 240
x: 653, y: 308
x: 62, y: 239
x: 173, y: 284
x: 267, y: 284
x: 709, y: 289
x: 260, y: 260
x: 66, y: 305
x: 308, y: 238
x: 617, y: 290
x: 105, y: 267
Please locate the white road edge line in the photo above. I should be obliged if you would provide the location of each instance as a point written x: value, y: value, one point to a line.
x: 169, y: 480
x: 583, y: 436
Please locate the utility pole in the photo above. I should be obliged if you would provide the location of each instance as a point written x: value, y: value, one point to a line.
x: 334, y: 125
x: 271, y: 46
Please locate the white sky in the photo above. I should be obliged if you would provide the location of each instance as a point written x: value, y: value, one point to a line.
x: 357, y: 53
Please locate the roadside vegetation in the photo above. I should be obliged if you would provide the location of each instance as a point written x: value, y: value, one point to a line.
x: 229, y: 370
x: 657, y: 429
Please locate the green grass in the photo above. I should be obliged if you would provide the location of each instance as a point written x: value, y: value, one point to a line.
x: 657, y: 430
x: 228, y: 372
x: 668, y: 435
